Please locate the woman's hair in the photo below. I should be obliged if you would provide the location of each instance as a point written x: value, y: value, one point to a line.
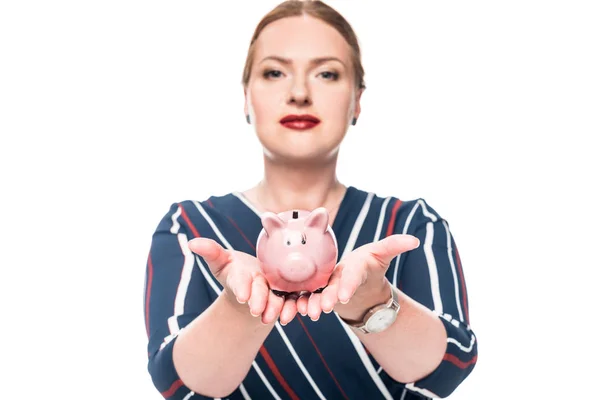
x: 316, y: 9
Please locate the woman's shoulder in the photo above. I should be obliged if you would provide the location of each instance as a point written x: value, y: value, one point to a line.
x: 406, y: 210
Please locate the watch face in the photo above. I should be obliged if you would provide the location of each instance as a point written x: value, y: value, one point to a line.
x: 381, y: 320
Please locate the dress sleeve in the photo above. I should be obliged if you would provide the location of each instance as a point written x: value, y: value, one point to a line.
x: 176, y: 292
x: 432, y: 274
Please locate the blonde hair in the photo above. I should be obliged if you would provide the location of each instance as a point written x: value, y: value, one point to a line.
x: 316, y: 9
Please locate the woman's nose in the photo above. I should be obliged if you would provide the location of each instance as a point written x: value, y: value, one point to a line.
x: 299, y: 92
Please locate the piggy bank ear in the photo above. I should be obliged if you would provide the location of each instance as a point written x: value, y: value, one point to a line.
x: 271, y: 222
x: 318, y: 218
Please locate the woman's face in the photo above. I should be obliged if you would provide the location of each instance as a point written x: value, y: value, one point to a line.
x: 301, y: 96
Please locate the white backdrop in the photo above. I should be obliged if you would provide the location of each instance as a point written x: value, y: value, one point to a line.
x: 110, y: 111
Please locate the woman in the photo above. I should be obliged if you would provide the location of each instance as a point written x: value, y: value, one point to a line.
x: 217, y: 330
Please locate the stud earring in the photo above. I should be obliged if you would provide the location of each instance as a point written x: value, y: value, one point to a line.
x: 247, y: 118
x: 353, y: 121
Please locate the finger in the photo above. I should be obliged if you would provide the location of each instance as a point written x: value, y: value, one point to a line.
x: 302, y: 304
x: 273, y: 308
x: 384, y: 250
x: 259, y: 295
x: 212, y: 252
x: 353, y: 275
x: 288, y: 312
x: 314, y: 306
x: 240, y: 283
x: 329, y: 296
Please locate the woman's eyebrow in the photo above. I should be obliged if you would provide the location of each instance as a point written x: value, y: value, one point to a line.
x: 314, y: 61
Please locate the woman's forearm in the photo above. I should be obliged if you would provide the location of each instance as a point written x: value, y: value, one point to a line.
x: 213, y: 354
x: 409, y: 349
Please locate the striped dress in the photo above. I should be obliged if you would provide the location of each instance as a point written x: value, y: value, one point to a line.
x: 305, y: 359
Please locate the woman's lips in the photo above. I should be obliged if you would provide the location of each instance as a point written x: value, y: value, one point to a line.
x: 299, y: 122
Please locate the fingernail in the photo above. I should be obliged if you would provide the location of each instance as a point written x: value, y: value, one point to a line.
x: 344, y: 301
x: 328, y: 311
x: 315, y: 320
x: 239, y: 301
x: 254, y: 315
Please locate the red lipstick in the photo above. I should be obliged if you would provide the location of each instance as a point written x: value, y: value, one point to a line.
x: 300, y: 122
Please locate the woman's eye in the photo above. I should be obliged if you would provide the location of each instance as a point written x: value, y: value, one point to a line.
x: 272, y: 74
x: 330, y: 75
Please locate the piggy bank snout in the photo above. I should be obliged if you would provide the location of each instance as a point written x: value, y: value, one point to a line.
x: 297, y: 267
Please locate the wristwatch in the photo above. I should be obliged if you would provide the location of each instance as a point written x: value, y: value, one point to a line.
x: 380, y: 317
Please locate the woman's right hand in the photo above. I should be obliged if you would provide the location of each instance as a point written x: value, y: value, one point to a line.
x: 243, y: 282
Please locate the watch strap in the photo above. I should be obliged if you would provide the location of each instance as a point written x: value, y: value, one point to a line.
x: 393, y: 303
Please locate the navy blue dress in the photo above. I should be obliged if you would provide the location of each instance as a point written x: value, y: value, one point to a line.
x: 305, y: 359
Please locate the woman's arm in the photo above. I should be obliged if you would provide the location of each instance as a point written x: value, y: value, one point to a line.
x: 197, y: 344
x: 430, y: 347
x: 213, y: 354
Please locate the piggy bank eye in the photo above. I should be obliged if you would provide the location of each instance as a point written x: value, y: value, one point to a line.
x: 288, y: 242
x: 303, y: 240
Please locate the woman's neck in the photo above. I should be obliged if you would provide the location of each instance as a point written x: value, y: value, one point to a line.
x: 285, y: 187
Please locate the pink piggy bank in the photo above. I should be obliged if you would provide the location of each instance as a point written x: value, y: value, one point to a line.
x: 298, y: 250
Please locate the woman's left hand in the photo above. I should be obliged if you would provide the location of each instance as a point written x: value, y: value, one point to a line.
x: 358, y: 281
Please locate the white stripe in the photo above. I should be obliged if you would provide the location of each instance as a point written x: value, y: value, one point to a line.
x: 280, y: 330
x: 184, y: 282
x: 300, y: 364
x: 366, y: 361
x: 212, y: 225
x: 209, y: 278
x: 188, y: 265
x: 454, y: 322
x: 451, y: 258
x: 404, y: 230
x: 381, y: 218
x: 460, y: 346
x: 362, y: 354
x: 174, y: 217
x: 433, y: 273
x: 426, y: 211
x: 358, y: 225
x: 410, y: 217
x: 411, y: 386
x: 246, y: 202
x: 244, y: 393
x: 189, y: 396
x: 403, y: 394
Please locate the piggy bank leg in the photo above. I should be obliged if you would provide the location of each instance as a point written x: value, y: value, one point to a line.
x: 280, y: 293
x: 320, y: 289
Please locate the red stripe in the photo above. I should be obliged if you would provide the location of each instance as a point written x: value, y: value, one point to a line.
x: 176, y: 385
x: 263, y: 350
x: 462, y: 283
x: 277, y: 374
x: 187, y: 220
x: 392, y: 223
x: 241, y: 233
x: 321, y: 356
x: 460, y: 364
x: 148, y: 287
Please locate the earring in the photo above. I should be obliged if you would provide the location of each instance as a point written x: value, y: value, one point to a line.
x: 247, y: 118
x: 353, y: 121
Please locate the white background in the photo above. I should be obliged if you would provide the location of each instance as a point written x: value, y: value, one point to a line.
x: 110, y: 111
